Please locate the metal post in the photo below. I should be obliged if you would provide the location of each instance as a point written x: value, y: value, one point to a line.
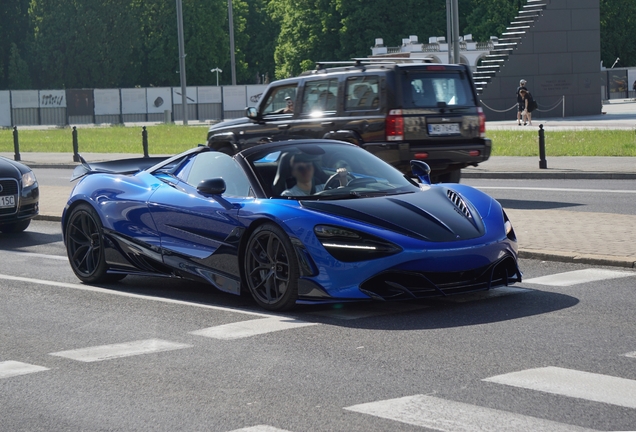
x: 232, y: 58
x: 76, y: 157
x: 563, y: 106
x: 182, y: 68
x: 16, y: 144
x: 144, y: 140
x: 456, y: 57
x: 543, y: 164
x: 449, y: 28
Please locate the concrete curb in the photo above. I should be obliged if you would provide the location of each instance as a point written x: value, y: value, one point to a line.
x: 550, y: 175
x: 601, y: 260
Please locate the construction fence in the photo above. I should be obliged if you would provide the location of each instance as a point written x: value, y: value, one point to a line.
x: 118, y: 106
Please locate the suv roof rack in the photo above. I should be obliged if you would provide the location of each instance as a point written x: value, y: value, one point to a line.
x: 366, y: 61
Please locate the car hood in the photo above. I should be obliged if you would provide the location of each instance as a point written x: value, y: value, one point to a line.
x: 438, y: 214
x: 231, y: 122
x: 9, y: 168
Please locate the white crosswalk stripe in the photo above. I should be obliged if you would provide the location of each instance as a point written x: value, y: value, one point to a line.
x: 126, y: 349
x: 630, y: 354
x: 573, y: 383
x: 579, y: 276
x: 449, y: 416
x: 244, y: 329
x: 11, y: 368
x: 260, y: 428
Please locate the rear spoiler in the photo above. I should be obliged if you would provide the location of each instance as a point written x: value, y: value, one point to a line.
x: 121, y: 166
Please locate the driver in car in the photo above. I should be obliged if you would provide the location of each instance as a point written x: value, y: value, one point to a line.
x: 302, y: 168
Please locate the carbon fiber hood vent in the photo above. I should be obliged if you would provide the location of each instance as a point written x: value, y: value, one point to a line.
x: 459, y: 203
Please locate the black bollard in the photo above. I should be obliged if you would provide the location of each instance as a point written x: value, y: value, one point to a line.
x: 16, y: 144
x: 144, y: 140
x: 543, y: 164
x: 76, y: 157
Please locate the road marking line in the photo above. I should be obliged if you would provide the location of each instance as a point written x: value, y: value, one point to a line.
x: 260, y: 428
x: 38, y: 255
x: 630, y: 354
x: 605, y: 191
x: 126, y: 349
x: 578, y: 277
x: 11, y: 368
x: 131, y: 295
x: 573, y: 383
x: 482, y: 295
x: 444, y: 415
x: 250, y: 328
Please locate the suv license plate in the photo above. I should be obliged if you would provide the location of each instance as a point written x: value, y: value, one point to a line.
x: 7, y: 201
x: 443, y: 129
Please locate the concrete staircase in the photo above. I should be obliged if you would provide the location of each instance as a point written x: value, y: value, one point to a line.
x: 507, y: 44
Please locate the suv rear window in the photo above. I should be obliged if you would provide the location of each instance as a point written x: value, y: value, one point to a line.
x: 426, y: 89
x: 362, y: 93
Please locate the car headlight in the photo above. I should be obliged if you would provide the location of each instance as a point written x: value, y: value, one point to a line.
x: 28, y: 179
x: 510, y: 232
x: 350, y: 246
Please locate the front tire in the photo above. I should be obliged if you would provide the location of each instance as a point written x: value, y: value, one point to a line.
x: 85, y: 245
x: 271, y: 268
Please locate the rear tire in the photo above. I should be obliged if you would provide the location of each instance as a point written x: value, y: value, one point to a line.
x: 15, y: 227
x: 85, y: 245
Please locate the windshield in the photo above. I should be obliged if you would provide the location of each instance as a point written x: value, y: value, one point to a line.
x: 326, y: 171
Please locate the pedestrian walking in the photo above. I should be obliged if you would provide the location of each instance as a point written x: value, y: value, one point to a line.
x: 520, y: 103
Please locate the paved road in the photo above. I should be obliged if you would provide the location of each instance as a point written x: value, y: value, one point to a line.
x: 555, y: 353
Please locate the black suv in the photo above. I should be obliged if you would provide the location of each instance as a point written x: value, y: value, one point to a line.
x: 398, y: 111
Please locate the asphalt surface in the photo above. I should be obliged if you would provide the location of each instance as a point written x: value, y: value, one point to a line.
x: 560, y: 235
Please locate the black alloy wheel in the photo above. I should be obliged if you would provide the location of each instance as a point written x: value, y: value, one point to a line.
x: 85, y: 244
x: 271, y: 268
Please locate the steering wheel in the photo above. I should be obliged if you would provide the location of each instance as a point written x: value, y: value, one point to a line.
x: 333, y: 182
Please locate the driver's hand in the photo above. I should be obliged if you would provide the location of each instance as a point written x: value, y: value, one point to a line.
x: 342, y: 176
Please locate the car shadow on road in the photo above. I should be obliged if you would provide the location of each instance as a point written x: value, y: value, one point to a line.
x: 18, y: 241
x: 496, y: 305
x: 535, y: 205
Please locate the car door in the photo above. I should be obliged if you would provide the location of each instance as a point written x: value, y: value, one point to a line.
x: 318, y: 110
x: 199, y: 234
x: 274, y: 118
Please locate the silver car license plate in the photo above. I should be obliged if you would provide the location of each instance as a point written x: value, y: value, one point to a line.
x: 7, y: 201
x: 443, y: 129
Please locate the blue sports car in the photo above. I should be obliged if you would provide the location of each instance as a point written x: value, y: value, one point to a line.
x: 289, y: 222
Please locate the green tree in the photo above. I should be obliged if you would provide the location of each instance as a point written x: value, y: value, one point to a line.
x: 309, y: 32
x: 18, y: 71
x: 261, y: 33
x: 15, y: 29
x: 618, y: 25
x: 85, y: 43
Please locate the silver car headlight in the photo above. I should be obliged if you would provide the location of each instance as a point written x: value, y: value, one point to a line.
x: 28, y: 179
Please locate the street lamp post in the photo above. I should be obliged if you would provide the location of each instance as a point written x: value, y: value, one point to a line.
x: 232, y: 58
x: 182, y: 70
x: 217, y: 70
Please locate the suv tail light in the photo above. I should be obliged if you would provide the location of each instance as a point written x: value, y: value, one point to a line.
x: 395, y: 126
x: 482, y: 122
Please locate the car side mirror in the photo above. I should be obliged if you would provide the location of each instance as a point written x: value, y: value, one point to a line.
x: 252, y: 113
x: 215, y: 186
x: 422, y: 171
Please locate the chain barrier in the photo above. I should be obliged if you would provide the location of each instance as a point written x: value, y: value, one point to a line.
x: 499, y: 111
x: 560, y: 102
x: 550, y: 109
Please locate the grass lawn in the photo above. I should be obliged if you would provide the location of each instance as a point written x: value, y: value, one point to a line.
x: 170, y: 139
